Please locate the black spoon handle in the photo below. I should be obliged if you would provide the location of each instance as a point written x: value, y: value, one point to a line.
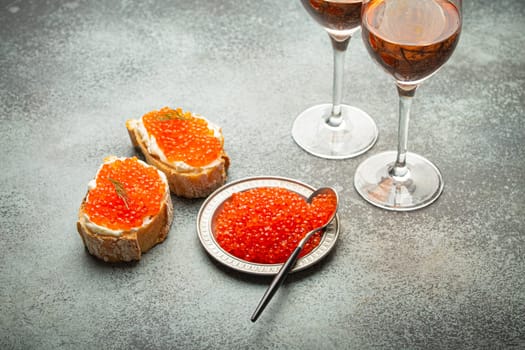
x: 276, y: 283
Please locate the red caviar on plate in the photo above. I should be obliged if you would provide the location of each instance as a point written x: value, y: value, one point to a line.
x: 183, y: 137
x: 127, y: 191
x: 265, y: 224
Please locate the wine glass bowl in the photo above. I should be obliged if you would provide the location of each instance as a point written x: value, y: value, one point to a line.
x: 410, y: 40
x: 339, y: 18
x: 336, y: 130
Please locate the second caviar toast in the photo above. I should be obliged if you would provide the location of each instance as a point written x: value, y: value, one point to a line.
x: 187, y: 148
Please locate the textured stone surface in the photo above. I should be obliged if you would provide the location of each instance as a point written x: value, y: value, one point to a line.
x: 449, y: 276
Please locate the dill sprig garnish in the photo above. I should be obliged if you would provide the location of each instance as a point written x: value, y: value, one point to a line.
x: 121, y: 191
x: 173, y: 114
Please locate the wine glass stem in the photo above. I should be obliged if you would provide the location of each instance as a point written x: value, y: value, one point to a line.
x: 406, y: 94
x: 339, y: 46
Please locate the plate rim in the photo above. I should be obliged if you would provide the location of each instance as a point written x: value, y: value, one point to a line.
x: 210, y: 245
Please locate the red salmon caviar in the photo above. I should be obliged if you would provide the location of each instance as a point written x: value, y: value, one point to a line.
x: 265, y: 224
x: 183, y: 137
x: 126, y: 192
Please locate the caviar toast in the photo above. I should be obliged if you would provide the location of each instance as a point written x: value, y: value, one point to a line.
x: 185, y: 147
x: 126, y: 211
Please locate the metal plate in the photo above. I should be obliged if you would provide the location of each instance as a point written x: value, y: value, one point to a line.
x: 209, y: 209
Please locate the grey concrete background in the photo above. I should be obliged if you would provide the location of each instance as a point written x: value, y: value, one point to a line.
x: 449, y: 276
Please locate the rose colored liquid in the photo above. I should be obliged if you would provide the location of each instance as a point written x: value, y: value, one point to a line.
x: 339, y: 17
x: 411, y: 43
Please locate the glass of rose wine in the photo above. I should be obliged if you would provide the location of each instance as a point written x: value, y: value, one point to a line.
x: 336, y: 130
x: 410, y: 40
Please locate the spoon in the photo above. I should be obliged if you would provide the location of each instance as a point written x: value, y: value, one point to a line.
x: 290, y: 263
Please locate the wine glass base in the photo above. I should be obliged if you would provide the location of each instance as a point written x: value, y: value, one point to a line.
x: 354, y: 136
x: 420, y: 187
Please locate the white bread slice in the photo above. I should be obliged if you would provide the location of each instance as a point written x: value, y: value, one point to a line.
x: 183, y: 183
x: 129, y: 245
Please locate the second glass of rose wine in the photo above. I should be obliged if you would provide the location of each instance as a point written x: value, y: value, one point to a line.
x: 335, y: 130
x: 410, y: 40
